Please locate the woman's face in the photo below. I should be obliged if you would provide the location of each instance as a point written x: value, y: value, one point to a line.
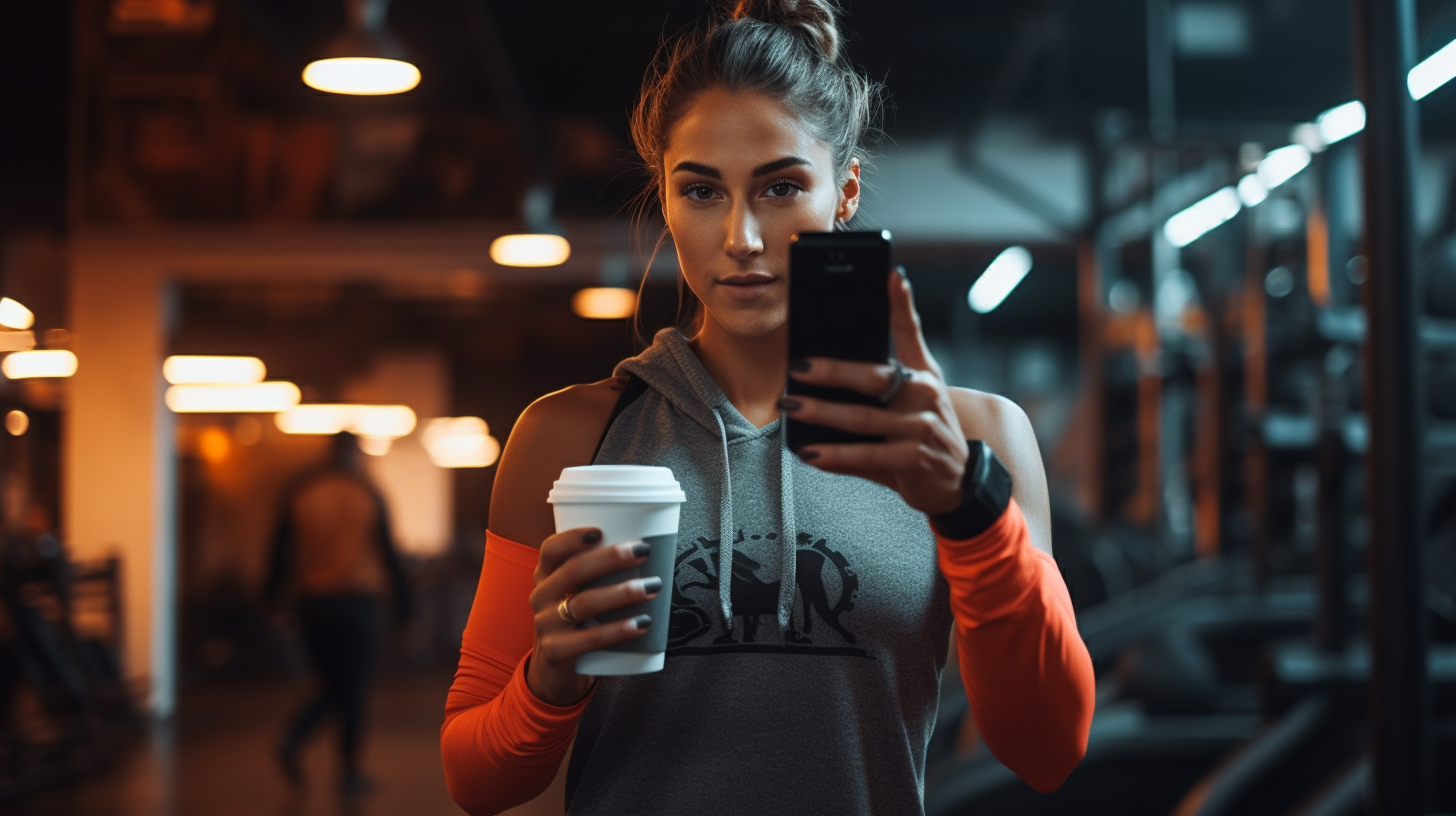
x: 742, y: 174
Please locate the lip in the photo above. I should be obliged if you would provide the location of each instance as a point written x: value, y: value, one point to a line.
x: 747, y: 287
x: 748, y: 279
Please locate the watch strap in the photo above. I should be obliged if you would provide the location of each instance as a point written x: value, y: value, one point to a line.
x: 985, y: 495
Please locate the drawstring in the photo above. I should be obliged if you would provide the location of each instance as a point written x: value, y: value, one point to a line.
x: 725, y: 530
x: 788, y: 544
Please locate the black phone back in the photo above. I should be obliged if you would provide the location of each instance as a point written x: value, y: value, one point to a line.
x: 839, y: 306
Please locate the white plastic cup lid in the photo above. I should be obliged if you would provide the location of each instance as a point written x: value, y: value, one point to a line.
x: 616, y: 484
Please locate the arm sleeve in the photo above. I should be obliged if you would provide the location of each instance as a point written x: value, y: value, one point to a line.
x: 501, y: 746
x: 1025, y: 668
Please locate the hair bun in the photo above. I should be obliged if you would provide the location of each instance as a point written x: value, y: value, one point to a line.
x: 817, y: 18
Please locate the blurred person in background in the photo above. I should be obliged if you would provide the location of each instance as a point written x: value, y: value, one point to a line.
x: 753, y: 129
x: 335, y: 549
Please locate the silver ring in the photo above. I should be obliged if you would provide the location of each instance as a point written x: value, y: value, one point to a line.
x: 563, y: 610
x: 897, y: 381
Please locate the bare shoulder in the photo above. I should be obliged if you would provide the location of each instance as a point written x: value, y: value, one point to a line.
x: 1005, y: 427
x: 557, y: 431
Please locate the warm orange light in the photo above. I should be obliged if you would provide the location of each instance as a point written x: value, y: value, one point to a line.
x: 17, y: 423
x: 460, y: 442
x: 372, y: 421
x: 184, y: 368
x: 14, y: 315
x: 214, y: 444
x: 45, y: 363
x: 361, y: 76
x: 530, y: 250
x: 604, y: 303
x: 261, y: 398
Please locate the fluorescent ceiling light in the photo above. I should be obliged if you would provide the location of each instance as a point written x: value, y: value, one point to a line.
x: 460, y: 442
x: 364, y: 60
x: 263, y: 397
x: 14, y: 315
x: 1341, y: 122
x: 530, y: 250
x: 24, y: 365
x: 361, y: 76
x: 999, y: 279
x: 383, y: 421
x: 1188, y: 226
x: 1252, y: 191
x: 1432, y: 72
x: 1282, y: 165
x: 373, y: 421
x: 182, y: 369
x: 604, y: 303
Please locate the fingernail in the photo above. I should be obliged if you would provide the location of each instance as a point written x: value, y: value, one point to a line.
x: 809, y: 455
x: 790, y: 404
x: 641, y: 549
x: 651, y: 584
x: 640, y: 622
x: 799, y: 366
x: 901, y: 269
x: 592, y: 537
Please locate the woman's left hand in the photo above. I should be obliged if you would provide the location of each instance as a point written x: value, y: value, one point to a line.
x: 924, y: 453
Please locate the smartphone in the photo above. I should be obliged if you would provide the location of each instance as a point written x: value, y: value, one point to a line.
x: 839, y: 306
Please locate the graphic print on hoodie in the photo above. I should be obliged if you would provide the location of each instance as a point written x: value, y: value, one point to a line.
x: 826, y: 588
x: 809, y: 681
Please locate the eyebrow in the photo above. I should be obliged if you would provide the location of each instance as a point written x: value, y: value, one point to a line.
x: 761, y: 170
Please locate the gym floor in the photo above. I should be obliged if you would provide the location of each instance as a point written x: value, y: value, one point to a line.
x: 215, y: 758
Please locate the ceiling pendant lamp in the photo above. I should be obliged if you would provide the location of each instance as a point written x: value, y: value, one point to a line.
x: 543, y: 243
x: 365, y: 60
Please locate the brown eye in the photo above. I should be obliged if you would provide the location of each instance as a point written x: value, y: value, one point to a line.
x: 782, y: 189
x: 699, y: 192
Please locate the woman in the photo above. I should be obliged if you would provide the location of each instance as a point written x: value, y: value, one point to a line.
x: 812, y: 603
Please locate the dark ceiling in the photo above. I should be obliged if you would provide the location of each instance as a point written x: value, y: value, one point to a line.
x: 573, y: 68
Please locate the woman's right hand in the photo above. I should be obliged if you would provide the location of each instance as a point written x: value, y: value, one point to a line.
x: 568, y: 560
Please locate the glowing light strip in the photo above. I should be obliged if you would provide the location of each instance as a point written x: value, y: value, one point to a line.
x: 999, y: 279
x: 184, y: 369
x: 262, y: 398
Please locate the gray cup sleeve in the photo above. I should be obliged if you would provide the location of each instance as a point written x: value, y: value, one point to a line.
x: 660, y: 563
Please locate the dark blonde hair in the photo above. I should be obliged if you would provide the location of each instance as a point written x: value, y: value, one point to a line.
x: 790, y: 50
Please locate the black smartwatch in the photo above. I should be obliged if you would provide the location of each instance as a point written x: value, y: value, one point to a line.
x: 985, y: 495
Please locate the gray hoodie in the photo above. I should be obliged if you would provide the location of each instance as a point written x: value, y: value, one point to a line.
x: 809, y: 688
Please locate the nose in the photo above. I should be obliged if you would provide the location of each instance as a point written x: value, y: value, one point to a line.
x: 744, y: 240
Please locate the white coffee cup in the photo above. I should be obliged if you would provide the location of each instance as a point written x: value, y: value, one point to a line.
x: 628, y: 503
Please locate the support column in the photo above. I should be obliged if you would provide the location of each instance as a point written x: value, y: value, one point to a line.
x: 1399, y: 691
x: 118, y: 460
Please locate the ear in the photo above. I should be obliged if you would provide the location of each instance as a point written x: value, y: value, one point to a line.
x: 849, y: 194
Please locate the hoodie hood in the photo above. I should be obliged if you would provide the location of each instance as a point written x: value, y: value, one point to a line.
x: 671, y: 368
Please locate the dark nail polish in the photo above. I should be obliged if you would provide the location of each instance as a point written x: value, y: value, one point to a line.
x: 799, y: 365
x: 641, y: 549
x: 652, y: 584
x: 641, y: 621
x: 809, y: 455
x: 790, y: 404
x: 592, y: 537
